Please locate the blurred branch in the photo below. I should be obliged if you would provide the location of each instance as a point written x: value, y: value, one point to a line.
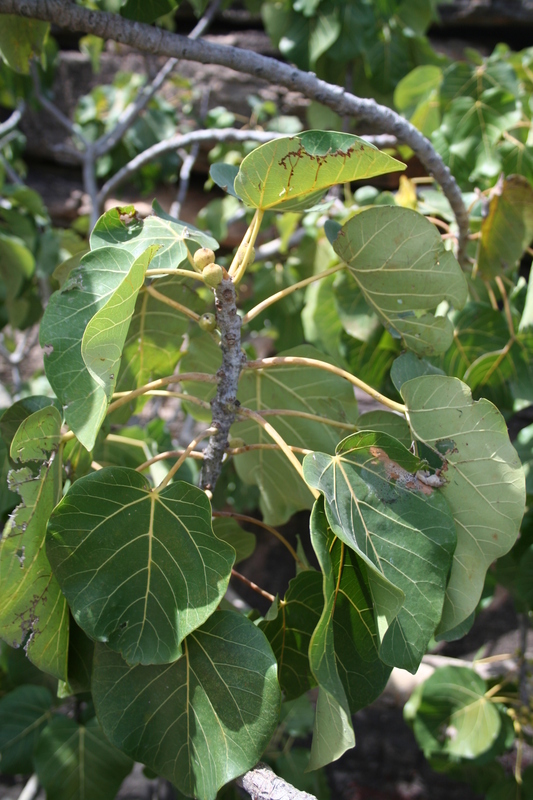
x: 12, y: 121
x: 262, y: 783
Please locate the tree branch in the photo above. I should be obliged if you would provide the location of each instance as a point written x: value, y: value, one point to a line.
x: 156, y: 40
x: 12, y: 121
x: 263, y: 784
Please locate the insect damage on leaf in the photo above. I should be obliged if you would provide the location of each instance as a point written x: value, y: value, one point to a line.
x: 421, y: 481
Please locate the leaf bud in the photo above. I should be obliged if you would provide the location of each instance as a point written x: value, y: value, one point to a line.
x: 236, y: 442
x: 212, y: 275
x: 203, y: 257
x: 207, y: 322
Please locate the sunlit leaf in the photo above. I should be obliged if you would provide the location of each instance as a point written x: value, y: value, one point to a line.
x: 140, y: 569
x: 201, y: 721
x: 21, y: 40
x: 400, y: 527
x: 293, y: 173
x: 37, y: 435
x: 484, y: 481
x: 33, y: 607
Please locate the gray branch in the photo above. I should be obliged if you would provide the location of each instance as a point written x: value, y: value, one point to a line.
x: 177, y: 142
x: 12, y: 121
x: 53, y: 109
x: 263, y: 784
x: 156, y: 40
x: 224, y: 404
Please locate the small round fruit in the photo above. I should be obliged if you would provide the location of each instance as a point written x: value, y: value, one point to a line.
x: 207, y: 322
x: 203, y: 257
x: 212, y: 275
x: 251, y: 258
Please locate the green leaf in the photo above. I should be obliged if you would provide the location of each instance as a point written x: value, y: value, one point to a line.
x: 295, y: 388
x: 37, y: 436
x: 147, y: 10
x: 479, y: 330
x: 293, y: 173
x: 454, y: 716
x: 507, y: 229
x: 386, y: 422
x: 32, y: 604
x: 290, y: 632
x: 398, y: 259
x: 98, y: 284
x: 229, y: 531
x: 73, y: 760
x: 16, y: 266
x: 408, y: 366
x: 320, y: 317
x: 121, y: 228
x: 333, y: 732
x: 484, y: 481
x: 417, y: 88
x: 399, y: 526
x: 140, y: 569
x: 224, y: 176
x: 21, y: 40
x: 154, y: 342
x: 14, y: 416
x: 204, y: 719
x: 105, y: 334
x: 23, y: 714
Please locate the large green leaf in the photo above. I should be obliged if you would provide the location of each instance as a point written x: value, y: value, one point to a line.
x: 295, y: 388
x: 140, y: 569
x: 484, y: 481
x: 21, y: 40
x: 33, y: 607
x: 292, y: 173
x: 154, y: 343
x: 399, y: 526
x: 454, y: 716
x: 23, y: 714
x: 12, y: 417
x: 102, y: 279
x: 76, y: 761
x: 333, y: 732
x: 290, y: 632
x: 204, y: 719
x: 507, y: 229
x: 398, y: 259
x: 121, y: 228
x: 37, y: 435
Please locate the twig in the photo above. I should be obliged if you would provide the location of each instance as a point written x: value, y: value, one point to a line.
x: 156, y: 40
x: 130, y: 114
x: 13, y: 176
x: 262, y: 783
x: 279, y: 361
x: 224, y: 404
x: 189, y: 449
x: 252, y: 585
x: 199, y: 377
x: 12, y: 121
x: 172, y: 303
x: 173, y: 144
x: 188, y: 162
x: 260, y: 524
x: 55, y: 112
x: 31, y: 789
x: 198, y: 454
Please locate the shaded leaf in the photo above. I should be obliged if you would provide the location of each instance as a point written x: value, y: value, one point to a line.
x: 399, y: 526
x: 147, y: 10
x: 21, y: 40
x: 386, y: 422
x: 77, y: 761
x: 508, y: 228
x: 103, y: 275
x: 333, y: 732
x: 140, y: 569
x: 484, y: 481
x: 33, y: 607
x: 398, y: 259
x: 454, y: 716
x: 290, y: 632
x: 14, y: 416
x: 224, y: 176
x: 295, y: 388
x: 293, y: 173
x: 229, y: 531
x: 204, y: 719
x: 408, y: 366
x: 23, y: 714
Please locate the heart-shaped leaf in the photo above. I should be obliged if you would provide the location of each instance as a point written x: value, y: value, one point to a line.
x: 93, y: 770
x: 140, y: 569
x: 102, y: 278
x: 484, y: 481
x: 398, y: 259
x: 204, y: 719
x: 32, y: 603
x: 293, y: 173
x: 401, y: 528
